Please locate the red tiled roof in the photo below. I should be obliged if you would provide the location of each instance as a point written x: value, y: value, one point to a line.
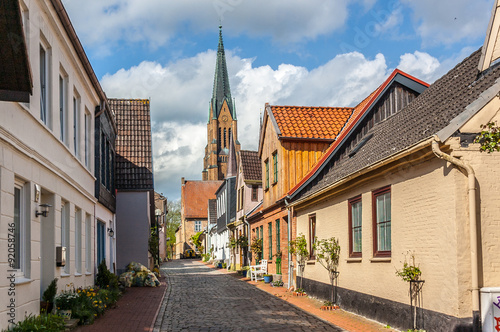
x: 310, y: 122
x: 250, y: 163
x: 195, y: 196
x: 134, y: 159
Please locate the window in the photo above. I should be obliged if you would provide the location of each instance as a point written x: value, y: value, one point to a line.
x: 197, y: 226
x: 108, y: 166
x: 242, y: 197
x: 87, y: 138
x: 267, y: 173
x: 63, y: 107
x: 20, y: 230
x: 88, y: 243
x: 101, y: 242
x: 382, y: 222
x: 225, y: 137
x: 257, y: 233
x: 355, y: 234
x: 44, y: 84
x: 270, y: 239
x: 219, y: 140
x: 278, y: 235
x: 254, y: 193
x: 65, y: 242
x: 312, y: 236
x: 262, y: 238
x: 103, y: 159
x: 78, y: 240
x: 76, y: 125
x: 275, y: 166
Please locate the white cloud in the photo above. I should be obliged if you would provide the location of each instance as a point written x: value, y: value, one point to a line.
x: 180, y: 94
x: 420, y: 64
x: 101, y: 24
x: 394, y: 20
x: 450, y: 21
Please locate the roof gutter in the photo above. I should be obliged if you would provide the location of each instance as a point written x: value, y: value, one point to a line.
x: 472, y: 224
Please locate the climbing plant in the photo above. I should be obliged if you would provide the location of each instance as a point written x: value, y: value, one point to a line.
x: 489, y: 138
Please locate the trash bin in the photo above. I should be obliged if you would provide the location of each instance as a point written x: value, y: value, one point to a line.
x: 490, y: 308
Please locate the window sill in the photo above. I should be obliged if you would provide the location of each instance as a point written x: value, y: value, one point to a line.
x: 354, y: 260
x: 311, y: 262
x: 65, y: 275
x: 78, y: 274
x: 88, y: 273
x: 22, y: 281
x: 380, y: 259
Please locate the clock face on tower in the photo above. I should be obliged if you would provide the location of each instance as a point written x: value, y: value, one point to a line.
x: 224, y: 118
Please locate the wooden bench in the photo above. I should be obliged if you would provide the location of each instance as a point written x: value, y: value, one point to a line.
x: 256, y: 270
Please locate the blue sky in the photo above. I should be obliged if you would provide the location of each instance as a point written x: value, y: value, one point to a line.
x: 314, y: 53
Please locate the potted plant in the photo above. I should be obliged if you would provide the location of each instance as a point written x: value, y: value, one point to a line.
x: 298, y: 247
x: 411, y: 273
x: 64, y: 302
x: 244, y: 270
x: 327, y: 254
x: 277, y: 283
x: 47, y: 302
x: 224, y: 265
x: 268, y: 278
x: 299, y: 292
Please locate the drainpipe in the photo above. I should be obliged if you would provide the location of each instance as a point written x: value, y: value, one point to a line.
x: 472, y: 224
x: 290, y: 263
x: 246, y: 260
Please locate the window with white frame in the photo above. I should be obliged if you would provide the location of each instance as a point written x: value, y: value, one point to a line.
x: 382, y: 222
x: 197, y: 226
x: 20, y: 230
x: 87, y: 137
x: 63, y: 107
x: 65, y: 231
x: 76, y: 125
x: 88, y: 243
x: 44, y: 85
x: 78, y: 240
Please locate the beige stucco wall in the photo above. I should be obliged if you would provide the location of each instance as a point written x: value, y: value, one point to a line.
x: 428, y: 218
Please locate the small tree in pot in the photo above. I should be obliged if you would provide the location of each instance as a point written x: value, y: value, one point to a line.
x: 327, y: 254
x: 256, y: 248
x: 299, y: 247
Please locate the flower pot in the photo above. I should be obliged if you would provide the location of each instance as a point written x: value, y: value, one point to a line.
x: 219, y: 266
x: 66, y: 314
x: 244, y: 273
x: 267, y: 279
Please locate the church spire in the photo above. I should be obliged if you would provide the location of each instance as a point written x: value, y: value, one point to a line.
x: 221, y: 90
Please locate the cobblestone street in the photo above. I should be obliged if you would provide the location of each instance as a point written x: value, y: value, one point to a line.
x: 203, y: 299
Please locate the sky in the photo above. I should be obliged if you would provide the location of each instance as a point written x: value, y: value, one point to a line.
x: 293, y: 52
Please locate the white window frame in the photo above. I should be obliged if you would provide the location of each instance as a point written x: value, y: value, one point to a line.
x: 88, y: 243
x: 78, y: 240
x: 197, y: 225
x: 65, y: 234
x: 22, y: 239
x: 76, y: 124
x: 63, y: 107
x: 88, y: 128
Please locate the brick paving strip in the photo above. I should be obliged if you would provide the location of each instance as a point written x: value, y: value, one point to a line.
x: 343, y: 319
x: 136, y: 311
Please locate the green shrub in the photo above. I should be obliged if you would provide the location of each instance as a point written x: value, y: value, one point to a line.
x: 50, y: 292
x: 43, y: 322
x: 105, y: 278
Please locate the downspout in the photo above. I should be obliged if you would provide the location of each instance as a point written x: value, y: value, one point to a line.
x: 247, y: 232
x: 290, y: 263
x: 472, y: 223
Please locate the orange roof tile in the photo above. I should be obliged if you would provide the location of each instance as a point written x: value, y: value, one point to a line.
x: 195, y: 196
x: 310, y: 122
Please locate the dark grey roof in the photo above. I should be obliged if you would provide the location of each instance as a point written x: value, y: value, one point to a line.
x: 134, y: 159
x: 15, y: 73
x: 250, y: 163
x: 425, y: 116
x: 212, y: 211
x: 221, y: 90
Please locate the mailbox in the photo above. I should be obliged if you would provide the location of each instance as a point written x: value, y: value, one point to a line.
x: 61, y: 256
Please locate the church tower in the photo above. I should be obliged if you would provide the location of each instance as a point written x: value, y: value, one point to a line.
x: 222, y: 123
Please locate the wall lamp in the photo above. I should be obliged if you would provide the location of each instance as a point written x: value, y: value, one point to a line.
x: 111, y: 232
x: 45, y: 210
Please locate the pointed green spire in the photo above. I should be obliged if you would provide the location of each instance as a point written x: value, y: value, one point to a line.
x: 221, y: 90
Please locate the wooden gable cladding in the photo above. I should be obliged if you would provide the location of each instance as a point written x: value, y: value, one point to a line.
x: 295, y: 158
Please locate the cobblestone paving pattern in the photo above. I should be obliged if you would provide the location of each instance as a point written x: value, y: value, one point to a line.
x: 200, y: 298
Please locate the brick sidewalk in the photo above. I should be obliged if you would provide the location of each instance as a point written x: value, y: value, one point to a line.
x: 136, y: 310
x: 340, y: 318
